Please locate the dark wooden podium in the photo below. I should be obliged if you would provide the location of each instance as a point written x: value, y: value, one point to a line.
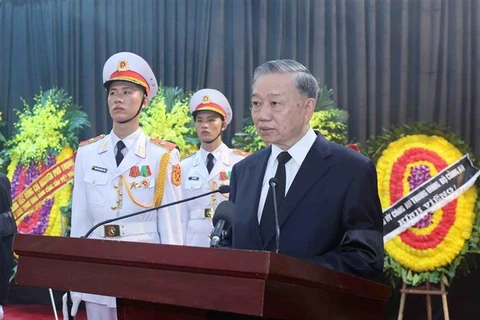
x: 174, y: 282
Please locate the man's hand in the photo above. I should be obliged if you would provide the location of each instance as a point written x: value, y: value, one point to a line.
x: 76, y: 298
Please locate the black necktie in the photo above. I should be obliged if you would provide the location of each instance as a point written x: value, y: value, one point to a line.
x: 268, y: 219
x: 119, y: 155
x: 210, y: 158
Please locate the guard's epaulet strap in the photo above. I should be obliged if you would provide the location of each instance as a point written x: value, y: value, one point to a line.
x: 241, y: 152
x: 91, y: 140
x: 162, y: 143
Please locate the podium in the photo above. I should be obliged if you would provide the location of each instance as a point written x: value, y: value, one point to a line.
x: 154, y: 281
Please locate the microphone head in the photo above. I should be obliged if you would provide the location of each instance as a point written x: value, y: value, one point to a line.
x: 224, y: 212
x: 224, y: 189
x: 273, y: 182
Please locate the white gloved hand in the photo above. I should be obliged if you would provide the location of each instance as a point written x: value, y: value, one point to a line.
x: 76, y: 298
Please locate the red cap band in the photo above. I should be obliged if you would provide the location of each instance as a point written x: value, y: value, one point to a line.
x: 130, y: 76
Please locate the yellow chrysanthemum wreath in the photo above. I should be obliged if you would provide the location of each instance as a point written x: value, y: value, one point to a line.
x: 433, y: 248
x: 46, y: 135
x: 168, y: 117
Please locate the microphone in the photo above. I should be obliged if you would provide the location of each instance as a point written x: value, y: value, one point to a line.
x: 221, y: 189
x: 273, y: 184
x: 222, y: 220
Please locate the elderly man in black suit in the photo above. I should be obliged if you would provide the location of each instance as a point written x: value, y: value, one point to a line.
x: 328, y: 204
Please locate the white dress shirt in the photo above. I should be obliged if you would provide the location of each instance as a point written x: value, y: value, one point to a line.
x: 128, y: 141
x: 298, y: 152
x: 217, y: 153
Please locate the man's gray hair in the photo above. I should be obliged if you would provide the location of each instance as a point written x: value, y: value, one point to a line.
x: 303, y: 79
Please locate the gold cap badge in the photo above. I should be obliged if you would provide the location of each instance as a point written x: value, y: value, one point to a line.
x: 206, y: 99
x: 123, y: 65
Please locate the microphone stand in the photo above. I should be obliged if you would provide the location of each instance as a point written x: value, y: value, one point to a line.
x: 221, y: 190
x: 273, y: 184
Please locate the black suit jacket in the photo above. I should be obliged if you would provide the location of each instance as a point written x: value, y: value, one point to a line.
x: 7, y: 221
x: 331, y: 214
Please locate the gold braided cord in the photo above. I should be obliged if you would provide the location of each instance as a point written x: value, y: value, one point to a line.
x: 159, y: 188
x: 130, y: 195
x: 161, y: 179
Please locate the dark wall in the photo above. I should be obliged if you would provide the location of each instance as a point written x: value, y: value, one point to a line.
x: 389, y: 62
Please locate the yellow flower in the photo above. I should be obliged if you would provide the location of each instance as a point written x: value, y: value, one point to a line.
x: 438, y: 244
x: 173, y: 126
x: 56, y: 221
x: 38, y: 132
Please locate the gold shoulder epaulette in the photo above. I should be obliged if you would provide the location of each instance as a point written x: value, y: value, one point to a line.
x: 162, y: 143
x: 241, y: 152
x: 91, y: 140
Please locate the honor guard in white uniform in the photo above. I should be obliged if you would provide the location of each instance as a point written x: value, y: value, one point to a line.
x: 208, y: 168
x: 125, y: 172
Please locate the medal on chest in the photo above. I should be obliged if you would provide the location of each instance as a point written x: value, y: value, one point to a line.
x: 139, y: 177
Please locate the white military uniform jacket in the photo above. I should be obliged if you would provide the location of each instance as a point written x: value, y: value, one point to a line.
x: 95, y: 195
x: 195, y: 181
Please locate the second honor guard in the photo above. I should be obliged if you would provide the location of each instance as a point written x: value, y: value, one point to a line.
x: 208, y: 168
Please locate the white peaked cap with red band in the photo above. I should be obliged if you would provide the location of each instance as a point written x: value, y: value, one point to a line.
x: 127, y: 66
x: 211, y: 100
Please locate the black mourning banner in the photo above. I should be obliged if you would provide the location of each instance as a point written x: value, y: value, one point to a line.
x: 431, y: 195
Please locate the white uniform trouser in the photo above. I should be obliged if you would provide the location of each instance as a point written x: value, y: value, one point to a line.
x: 97, y: 311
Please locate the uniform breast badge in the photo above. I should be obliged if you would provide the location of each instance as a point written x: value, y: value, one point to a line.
x: 134, y: 173
x: 99, y: 169
x: 223, y: 176
x: 145, y: 172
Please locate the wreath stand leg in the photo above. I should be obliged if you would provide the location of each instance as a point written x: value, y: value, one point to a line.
x: 427, y: 290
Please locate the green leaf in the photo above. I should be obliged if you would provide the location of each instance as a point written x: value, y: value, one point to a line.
x: 325, y: 99
x: 445, y: 281
x: 409, y: 275
x: 172, y: 95
x: 416, y: 279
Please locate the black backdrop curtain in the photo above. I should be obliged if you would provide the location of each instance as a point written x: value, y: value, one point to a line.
x: 389, y: 61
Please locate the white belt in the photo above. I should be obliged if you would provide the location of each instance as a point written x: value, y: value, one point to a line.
x: 206, y: 213
x: 126, y: 229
